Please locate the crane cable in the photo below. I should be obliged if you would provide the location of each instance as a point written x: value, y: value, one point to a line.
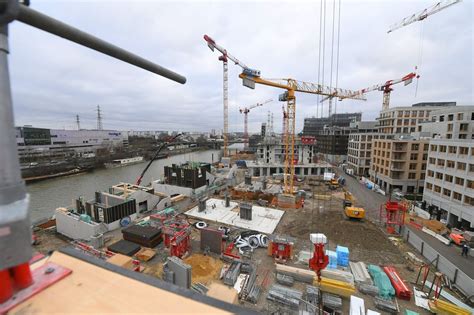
x: 420, y: 54
x: 332, y: 53
x: 337, y: 53
x: 324, y: 48
x: 319, y: 55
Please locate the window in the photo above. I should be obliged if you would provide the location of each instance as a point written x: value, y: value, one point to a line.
x: 461, y: 166
x: 411, y: 175
x: 440, y: 162
x: 430, y: 173
x: 460, y: 181
x: 437, y: 189
x: 463, y: 136
x: 429, y: 186
x: 425, y: 157
x: 439, y: 175
x: 450, y: 127
x: 423, y: 167
x: 463, y: 150
x: 442, y: 148
x: 457, y: 196
x: 425, y: 147
x: 463, y: 127
x: 460, y: 116
x: 471, y: 167
x: 447, y: 192
x: 413, y: 166
x: 468, y: 200
x: 434, y: 147
x: 441, y: 118
x: 449, y: 136
x: 415, y: 146
x: 450, y: 117
x: 421, y: 113
x: 452, y: 149
x: 447, y: 178
x: 470, y: 184
x: 433, y: 161
x: 422, y: 176
x: 413, y: 156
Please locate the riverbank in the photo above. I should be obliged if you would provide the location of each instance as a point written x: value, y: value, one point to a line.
x: 47, y: 195
x: 45, y: 171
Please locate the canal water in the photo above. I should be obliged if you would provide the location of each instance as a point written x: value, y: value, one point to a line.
x: 50, y: 194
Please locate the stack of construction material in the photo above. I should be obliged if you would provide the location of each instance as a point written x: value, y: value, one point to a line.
x: 332, y: 258
x: 337, y: 274
x: 332, y: 301
x: 401, y: 289
x: 285, y: 280
x: 124, y: 247
x: 285, y: 296
x: 359, y: 270
x: 146, y: 236
x: 312, y: 294
x: 342, y: 256
x: 231, y: 275
x: 368, y: 289
x: 298, y: 274
x: 386, y: 305
x: 382, y: 282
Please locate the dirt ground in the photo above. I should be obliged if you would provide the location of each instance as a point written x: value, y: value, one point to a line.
x: 366, y: 241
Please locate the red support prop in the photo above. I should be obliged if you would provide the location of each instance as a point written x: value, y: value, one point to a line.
x: 6, y: 287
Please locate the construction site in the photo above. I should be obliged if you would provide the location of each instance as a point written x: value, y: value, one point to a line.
x: 282, y: 228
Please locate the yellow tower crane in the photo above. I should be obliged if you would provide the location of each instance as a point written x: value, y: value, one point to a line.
x: 249, y: 78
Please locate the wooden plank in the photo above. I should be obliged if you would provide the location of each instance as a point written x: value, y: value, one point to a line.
x: 95, y: 290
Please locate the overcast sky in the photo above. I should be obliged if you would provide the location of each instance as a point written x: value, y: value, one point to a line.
x: 53, y: 79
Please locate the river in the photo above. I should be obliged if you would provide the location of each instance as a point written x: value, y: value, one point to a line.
x: 50, y: 194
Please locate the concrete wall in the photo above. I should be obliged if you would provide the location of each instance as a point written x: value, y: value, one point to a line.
x: 463, y: 281
x: 69, y: 225
x: 172, y: 189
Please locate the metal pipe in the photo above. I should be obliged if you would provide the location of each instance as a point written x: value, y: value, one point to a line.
x: 15, y: 230
x: 53, y: 26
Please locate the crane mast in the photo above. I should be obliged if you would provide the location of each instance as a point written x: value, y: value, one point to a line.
x: 291, y: 86
x: 246, y: 111
x: 224, y: 58
x: 420, y: 16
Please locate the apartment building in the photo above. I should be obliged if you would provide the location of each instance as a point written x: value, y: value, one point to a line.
x: 359, y: 148
x: 400, y: 163
x: 449, y: 186
x: 404, y: 120
x: 332, y: 134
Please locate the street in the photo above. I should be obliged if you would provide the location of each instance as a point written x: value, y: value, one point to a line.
x: 365, y: 198
x: 371, y: 202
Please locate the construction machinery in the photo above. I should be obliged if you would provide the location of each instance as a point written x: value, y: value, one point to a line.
x: 224, y: 58
x: 251, y: 77
x: 349, y: 210
x: 386, y: 88
x: 420, y: 16
x: 246, y: 111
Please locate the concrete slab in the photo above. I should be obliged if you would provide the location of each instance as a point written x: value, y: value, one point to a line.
x: 264, y: 220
